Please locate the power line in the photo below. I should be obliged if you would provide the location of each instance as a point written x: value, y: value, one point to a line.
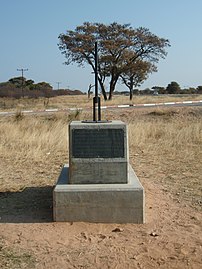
x: 22, y: 84
x: 22, y: 70
x: 58, y: 83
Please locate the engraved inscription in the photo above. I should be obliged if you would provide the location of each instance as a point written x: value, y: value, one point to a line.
x: 98, y: 143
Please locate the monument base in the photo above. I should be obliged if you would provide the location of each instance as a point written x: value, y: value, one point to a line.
x: 99, y: 203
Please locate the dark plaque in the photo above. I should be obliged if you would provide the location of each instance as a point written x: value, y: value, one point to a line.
x: 98, y: 143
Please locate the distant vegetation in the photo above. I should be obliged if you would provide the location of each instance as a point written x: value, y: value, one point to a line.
x: 18, y: 87
x: 172, y: 88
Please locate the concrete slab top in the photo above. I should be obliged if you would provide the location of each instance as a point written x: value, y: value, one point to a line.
x: 110, y: 124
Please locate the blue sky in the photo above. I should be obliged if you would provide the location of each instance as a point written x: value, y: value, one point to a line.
x: 30, y: 29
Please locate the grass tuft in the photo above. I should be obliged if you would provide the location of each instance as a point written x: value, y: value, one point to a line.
x: 19, y: 115
x: 11, y: 258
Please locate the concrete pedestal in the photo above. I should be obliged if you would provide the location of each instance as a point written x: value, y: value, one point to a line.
x: 98, y: 153
x: 103, y: 203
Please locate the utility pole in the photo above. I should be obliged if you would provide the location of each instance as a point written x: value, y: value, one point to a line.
x: 58, y: 83
x: 22, y: 70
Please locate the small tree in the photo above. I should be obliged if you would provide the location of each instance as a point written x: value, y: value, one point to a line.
x: 159, y: 90
x: 146, y: 91
x: 190, y: 90
x: 17, y: 81
x: 199, y: 89
x: 136, y: 73
x: 173, y: 88
x: 29, y: 83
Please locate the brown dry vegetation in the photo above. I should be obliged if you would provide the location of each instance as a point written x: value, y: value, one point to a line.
x: 165, y: 151
x: 82, y: 101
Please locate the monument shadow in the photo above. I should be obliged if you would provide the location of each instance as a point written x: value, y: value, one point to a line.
x: 32, y: 205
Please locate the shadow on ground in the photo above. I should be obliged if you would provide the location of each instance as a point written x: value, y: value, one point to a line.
x: 32, y: 205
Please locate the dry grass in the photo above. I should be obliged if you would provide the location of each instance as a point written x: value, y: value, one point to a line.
x: 169, y: 143
x: 32, y: 137
x: 82, y: 101
x: 159, y: 130
x: 165, y: 145
x: 11, y: 258
x: 179, y: 133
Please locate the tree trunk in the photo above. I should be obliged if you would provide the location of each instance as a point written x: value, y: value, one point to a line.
x: 112, y: 86
x: 102, y: 89
x: 131, y: 94
x: 131, y: 88
x: 110, y: 96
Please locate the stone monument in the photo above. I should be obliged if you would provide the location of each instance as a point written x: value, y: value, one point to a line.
x: 98, y: 185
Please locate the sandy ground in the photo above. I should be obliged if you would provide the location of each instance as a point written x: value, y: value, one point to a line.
x: 170, y: 238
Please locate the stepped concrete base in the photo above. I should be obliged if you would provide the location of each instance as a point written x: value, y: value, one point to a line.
x: 103, y: 203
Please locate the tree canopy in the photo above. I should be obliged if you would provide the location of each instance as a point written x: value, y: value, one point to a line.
x: 125, y: 53
x: 173, y: 87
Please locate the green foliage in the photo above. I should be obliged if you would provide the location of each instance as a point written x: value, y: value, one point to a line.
x: 190, y: 90
x: 29, y: 82
x: 173, y: 88
x: 146, y: 91
x: 17, y: 81
x: 159, y: 90
x: 199, y: 89
x: 41, y: 86
x: 18, y: 87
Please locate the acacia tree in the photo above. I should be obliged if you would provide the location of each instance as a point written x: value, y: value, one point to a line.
x: 136, y: 73
x: 120, y: 46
